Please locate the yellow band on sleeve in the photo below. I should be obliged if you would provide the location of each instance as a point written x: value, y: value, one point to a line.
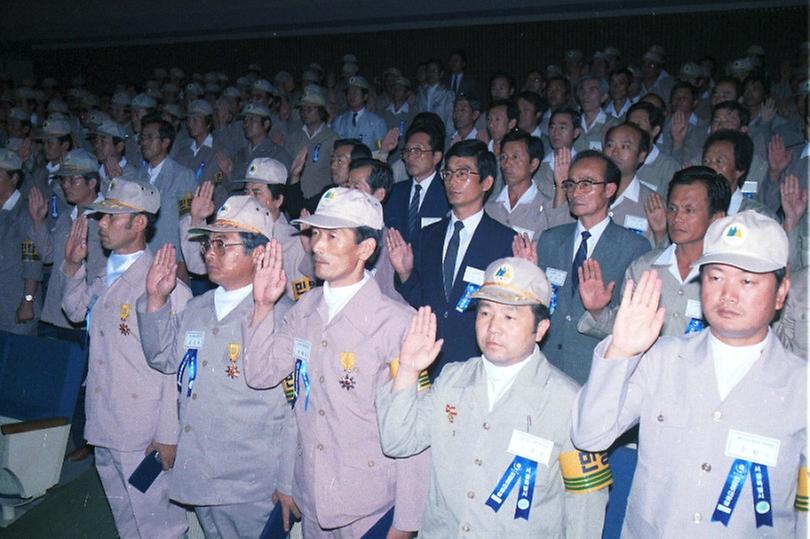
x: 184, y: 203
x: 585, y: 472
x: 29, y: 252
x: 424, y: 379
x: 301, y: 287
x: 288, y: 384
x: 802, y: 490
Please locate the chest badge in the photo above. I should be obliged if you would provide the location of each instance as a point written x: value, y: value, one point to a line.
x: 347, y: 363
x: 451, y: 412
x: 123, y: 315
x: 232, y: 370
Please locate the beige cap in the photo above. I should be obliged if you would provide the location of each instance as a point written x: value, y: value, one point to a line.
x: 358, y: 81
x: 200, y: 107
x: 55, y: 128
x: 515, y: 281
x: 128, y: 196
x: 266, y: 170
x: 240, y: 213
x: 108, y: 128
x: 747, y: 240
x: 345, y: 208
x: 77, y: 162
x: 255, y: 108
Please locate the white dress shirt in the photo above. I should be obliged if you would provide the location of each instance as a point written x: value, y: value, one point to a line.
x: 465, y: 236
x: 500, y: 379
x: 732, y: 363
x: 596, y: 233
x: 226, y: 300
x: 337, y: 297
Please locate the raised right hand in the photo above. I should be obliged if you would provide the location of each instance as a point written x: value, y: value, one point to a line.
x: 639, y: 319
x: 162, y: 276
x: 400, y: 253
x: 76, y: 245
x: 523, y: 247
x: 269, y: 279
x: 37, y: 206
x: 202, y: 205
x: 419, y: 345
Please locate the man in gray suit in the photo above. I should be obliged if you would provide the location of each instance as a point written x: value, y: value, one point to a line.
x: 234, y: 441
x: 521, y: 401
x: 592, y: 183
x: 716, y: 410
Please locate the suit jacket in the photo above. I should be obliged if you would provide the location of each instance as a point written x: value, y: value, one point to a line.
x: 129, y: 404
x: 442, y: 100
x: 341, y: 473
x: 567, y: 348
x: 370, y: 128
x: 671, y: 392
x: 491, y: 241
x: 434, y: 206
x: 236, y: 443
x: 176, y: 184
x: 468, y: 461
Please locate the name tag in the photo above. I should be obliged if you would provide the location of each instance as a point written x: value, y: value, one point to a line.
x: 749, y: 187
x: 474, y: 275
x: 301, y: 349
x: 752, y: 447
x: 427, y: 221
x: 556, y: 276
x: 635, y: 223
x: 194, y: 339
x: 520, y: 230
x: 595, y: 145
x: 694, y: 309
x: 531, y: 447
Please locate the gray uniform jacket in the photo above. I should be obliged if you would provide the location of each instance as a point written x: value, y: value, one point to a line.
x: 791, y: 328
x: 49, y: 240
x: 128, y: 404
x: 18, y: 260
x: 204, y: 165
x: 317, y: 172
x: 469, y: 451
x: 564, y: 346
x: 533, y: 217
x: 675, y: 297
x: 591, y: 139
x: 628, y: 211
x: 341, y: 474
x: 176, y: 185
x: 657, y: 173
x: 671, y: 392
x: 236, y: 443
x: 265, y: 148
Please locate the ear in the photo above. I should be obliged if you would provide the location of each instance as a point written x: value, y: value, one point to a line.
x: 541, y: 330
x: 716, y: 216
x: 476, y: 114
x: 379, y: 194
x: 535, y: 164
x: 140, y: 222
x: 487, y: 183
x: 366, y: 249
x: 92, y: 183
x: 782, y: 292
x: 577, y: 132
x: 512, y: 124
x: 610, y: 189
x: 437, y: 158
x: 656, y: 131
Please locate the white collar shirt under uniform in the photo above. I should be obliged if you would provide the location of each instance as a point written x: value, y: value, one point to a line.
x: 465, y: 235
x: 732, y: 363
x: 337, y: 297
x: 500, y: 379
x: 596, y: 233
x: 226, y: 301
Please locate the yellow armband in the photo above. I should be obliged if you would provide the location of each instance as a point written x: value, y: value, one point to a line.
x: 301, y: 287
x: 184, y: 204
x: 585, y: 472
x: 29, y: 252
x: 802, y: 490
x: 424, y: 379
x: 288, y: 384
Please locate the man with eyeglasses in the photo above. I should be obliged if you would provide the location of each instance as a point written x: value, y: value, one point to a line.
x: 592, y: 183
x: 235, y: 442
x: 422, y: 200
x: 131, y: 408
x: 449, y: 265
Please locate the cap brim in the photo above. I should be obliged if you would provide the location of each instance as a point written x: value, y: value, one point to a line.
x: 742, y: 261
x: 325, y: 221
x: 115, y: 209
x: 505, y: 296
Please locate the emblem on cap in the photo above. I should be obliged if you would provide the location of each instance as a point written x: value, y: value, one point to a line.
x: 224, y: 209
x: 734, y: 234
x: 329, y: 196
x: 504, y: 274
x: 252, y: 169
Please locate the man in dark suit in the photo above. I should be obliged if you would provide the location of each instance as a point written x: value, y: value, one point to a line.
x: 422, y: 200
x: 449, y: 265
x: 458, y: 81
x: 591, y: 186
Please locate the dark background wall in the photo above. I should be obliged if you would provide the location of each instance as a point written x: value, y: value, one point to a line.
x: 513, y: 47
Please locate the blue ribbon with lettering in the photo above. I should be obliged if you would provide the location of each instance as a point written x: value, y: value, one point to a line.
x: 520, y: 471
x: 695, y: 325
x: 54, y: 206
x: 190, y: 361
x: 552, y: 305
x: 761, y: 487
x: 199, y: 172
x: 301, y: 376
x: 464, y: 300
x: 735, y: 481
x: 316, y: 153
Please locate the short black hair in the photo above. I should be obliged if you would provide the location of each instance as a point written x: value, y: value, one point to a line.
x: 426, y: 123
x: 534, y: 99
x: 743, y: 149
x: 570, y: 111
x: 654, y: 114
x: 534, y: 146
x: 559, y: 78
x: 717, y: 188
x: 680, y: 85
x: 484, y: 159
x: 359, y: 150
x: 756, y: 77
x: 381, y: 176
x: 612, y: 172
x: 643, y: 136
x: 657, y: 97
x: 621, y: 71
x: 474, y: 102
x: 734, y: 106
x: 512, y: 112
x: 503, y: 75
x: 738, y: 88
x: 251, y: 240
x: 460, y: 53
x: 540, y: 313
x: 165, y: 129
x: 362, y: 233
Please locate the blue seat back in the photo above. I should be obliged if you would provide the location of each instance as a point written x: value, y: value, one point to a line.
x: 39, y: 377
x: 622, y: 465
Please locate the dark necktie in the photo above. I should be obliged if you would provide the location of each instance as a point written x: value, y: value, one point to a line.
x: 354, y: 119
x: 449, y: 268
x: 413, y: 213
x: 579, y: 259
x: 455, y: 83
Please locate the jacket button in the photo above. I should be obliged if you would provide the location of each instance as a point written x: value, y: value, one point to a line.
x: 193, y: 396
x: 323, y: 344
x: 101, y: 332
x: 660, y: 418
x: 215, y: 331
x: 486, y: 426
x: 716, y: 416
x: 321, y: 379
x: 567, y: 317
x: 446, y: 314
x: 320, y: 447
x: 706, y: 467
x: 321, y: 412
x: 674, y: 315
x: 205, y: 363
x: 471, y: 494
x: 465, y: 528
x: 559, y: 347
x: 371, y: 464
x: 697, y: 518
x: 187, y: 428
x: 680, y: 292
x: 478, y: 462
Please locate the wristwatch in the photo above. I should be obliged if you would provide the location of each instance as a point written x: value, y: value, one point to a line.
x: 28, y: 297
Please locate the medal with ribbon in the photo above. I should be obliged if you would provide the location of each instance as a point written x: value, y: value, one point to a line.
x: 347, y: 361
x: 193, y: 342
x: 232, y: 370
x: 124, y: 315
x: 301, y: 352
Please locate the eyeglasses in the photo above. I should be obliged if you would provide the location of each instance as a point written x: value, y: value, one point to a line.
x: 586, y: 185
x: 416, y: 152
x: 462, y: 174
x: 217, y: 246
